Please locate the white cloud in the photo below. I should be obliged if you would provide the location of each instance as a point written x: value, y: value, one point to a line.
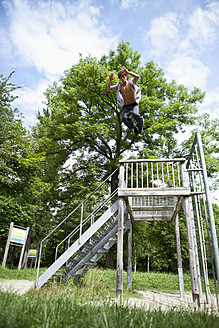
x: 188, y: 71
x: 163, y: 34
x: 129, y: 4
x: 210, y: 104
x: 50, y: 35
x: 203, y: 26
x: 30, y: 101
x: 193, y: 33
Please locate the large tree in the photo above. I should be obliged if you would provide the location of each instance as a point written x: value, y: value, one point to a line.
x: 21, y: 169
x: 82, y: 121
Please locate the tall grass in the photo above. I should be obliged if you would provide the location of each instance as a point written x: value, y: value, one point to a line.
x: 88, y: 304
x: 63, y: 309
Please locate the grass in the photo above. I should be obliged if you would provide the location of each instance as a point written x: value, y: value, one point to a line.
x: 88, y: 303
x: 163, y: 282
x: 66, y: 310
x: 24, y: 274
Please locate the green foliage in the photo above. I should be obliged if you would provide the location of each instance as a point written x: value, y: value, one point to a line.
x: 156, y: 241
x: 209, y: 131
x: 21, y: 170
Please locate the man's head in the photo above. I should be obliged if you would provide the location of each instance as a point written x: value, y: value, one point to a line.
x: 121, y: 74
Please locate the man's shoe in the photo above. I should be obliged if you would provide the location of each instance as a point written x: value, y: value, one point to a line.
x: 141, y: 131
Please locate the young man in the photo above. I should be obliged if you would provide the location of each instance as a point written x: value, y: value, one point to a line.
x: 129, y: 95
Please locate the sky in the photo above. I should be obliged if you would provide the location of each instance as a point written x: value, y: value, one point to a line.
x: 40, y: 39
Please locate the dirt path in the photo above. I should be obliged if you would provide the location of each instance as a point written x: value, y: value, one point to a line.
x: 148, y: 300
x: 16, y: 286
x: 165, y: 301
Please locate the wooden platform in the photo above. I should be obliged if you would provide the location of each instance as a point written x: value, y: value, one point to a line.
x: 153, y: 205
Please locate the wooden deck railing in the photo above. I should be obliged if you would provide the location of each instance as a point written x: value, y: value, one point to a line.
x: 152, y: 173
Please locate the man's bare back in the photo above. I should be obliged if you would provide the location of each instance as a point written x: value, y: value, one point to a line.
x: 128, y: 93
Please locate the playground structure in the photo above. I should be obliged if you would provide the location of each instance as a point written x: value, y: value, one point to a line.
x: 149, y: 190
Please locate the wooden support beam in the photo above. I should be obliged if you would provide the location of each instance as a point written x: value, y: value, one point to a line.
x: 152, y: 219
x: 129, y: 267
x: 7, y: 245
x: 152, y: 208
x: 152, y: 160
x: 129, y: 207
x: 119, y: 269
x: 178, y: 206
x: 142, y: 192
x: 191, y: 248
x: 119, y: 274
x: 179, y: 259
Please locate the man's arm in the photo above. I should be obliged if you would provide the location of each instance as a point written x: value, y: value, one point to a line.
x: 136, y: 76
x: 111, y: 77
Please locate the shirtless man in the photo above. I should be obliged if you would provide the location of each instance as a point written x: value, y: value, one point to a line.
x: 129, y: 95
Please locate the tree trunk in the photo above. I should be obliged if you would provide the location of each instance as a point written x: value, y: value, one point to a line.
x: 110, y: 262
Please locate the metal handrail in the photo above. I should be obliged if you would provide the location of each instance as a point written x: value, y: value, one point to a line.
x: 95, y: 211
x: 80, y: 205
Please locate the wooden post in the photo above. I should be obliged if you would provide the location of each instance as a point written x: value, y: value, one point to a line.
x: 129, y: 267
x: 12, y: 257
x: 119, y: 276
x: 7, y: 245
x: 179, y: 259
x: 119, y: 273
x: 23, y: 248
x: 192, y: 260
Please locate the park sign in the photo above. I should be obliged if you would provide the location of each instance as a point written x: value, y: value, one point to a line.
x: 32, y: 253
x: 18, y: 235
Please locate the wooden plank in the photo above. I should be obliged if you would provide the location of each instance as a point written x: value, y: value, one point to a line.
x: 153, y: 219
x: 168, y: 216
x: 152, y: 160
x: 141, y: 192
x: 152, y: 208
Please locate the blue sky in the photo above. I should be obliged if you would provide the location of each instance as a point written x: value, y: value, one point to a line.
x: 40, y: 39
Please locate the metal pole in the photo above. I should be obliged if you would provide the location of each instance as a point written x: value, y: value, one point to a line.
x: 80, y: 233
x: 209, y: 205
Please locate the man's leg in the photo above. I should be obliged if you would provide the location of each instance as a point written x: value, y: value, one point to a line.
x: 139, y: 119
x: 128, y: 121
